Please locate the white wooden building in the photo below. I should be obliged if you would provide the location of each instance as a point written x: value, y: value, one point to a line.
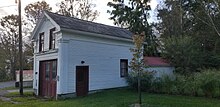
x: 159, y: 66
x: 74, y: 57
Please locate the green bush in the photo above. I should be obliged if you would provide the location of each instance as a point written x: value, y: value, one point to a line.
x: 205, y: 83
x: 167, y: 84
x: 209, y: 82
x: 157, y: 85
x: 146, y: 80
x: 3, y: 76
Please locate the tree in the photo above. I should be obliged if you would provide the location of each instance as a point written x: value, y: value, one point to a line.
x: 33, y: 10
x: 82, y: 9
x: 152, y: 43
x: 133, y: 15
x: 183, y: 17
x: 137, y: 63
x: 183, y: 53
x: 3, y: 66
x: 9, y: 41
x: 195, y: 18
x: 170, y: 15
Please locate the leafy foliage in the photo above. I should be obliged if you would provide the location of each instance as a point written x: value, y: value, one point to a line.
x: 9, y: 42
x: 82, y: 9
x: 205, y: 83
x: 208, y: 81
x: 9, y: 47
x: 137, y: 62
x: 146, y: 80
x: 33, y: 10
x: 197, y: 19
x: 133, y: 15
x: 184, y: 53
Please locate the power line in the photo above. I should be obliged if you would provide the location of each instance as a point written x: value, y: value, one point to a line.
x: 7, y: 6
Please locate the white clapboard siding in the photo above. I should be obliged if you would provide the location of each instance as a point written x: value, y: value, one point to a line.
x: 101, y: 55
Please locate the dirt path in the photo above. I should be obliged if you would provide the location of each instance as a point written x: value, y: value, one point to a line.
x: 4, y: 92
x: 6, y: 99
x: 4, y: 85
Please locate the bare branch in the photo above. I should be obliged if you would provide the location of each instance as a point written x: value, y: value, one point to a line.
x: 210, y: 18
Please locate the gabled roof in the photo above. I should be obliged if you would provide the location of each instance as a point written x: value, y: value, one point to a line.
x: 87, y: 26
x: 155, y: 62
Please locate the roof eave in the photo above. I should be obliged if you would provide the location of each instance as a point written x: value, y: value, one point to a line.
x: 96, y: 35
x: 43, y: 16
x: 39, y: 22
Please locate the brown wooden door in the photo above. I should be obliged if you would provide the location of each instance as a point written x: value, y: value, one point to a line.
x: 48, y: 73
x: 82, y: 80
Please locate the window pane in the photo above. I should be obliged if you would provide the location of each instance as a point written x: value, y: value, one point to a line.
x: 122, y: 72
x: 52, y: 39
x: 41, y: 42
x: 53, y: 44
x: 47, y: 70
x: 123, y: 64
x: 123, y: 67
x: 54, y: 70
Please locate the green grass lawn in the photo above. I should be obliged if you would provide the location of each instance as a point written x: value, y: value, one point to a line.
x: 14, y: 88
x: 113, y: 98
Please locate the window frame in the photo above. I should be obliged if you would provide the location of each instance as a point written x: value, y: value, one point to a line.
x: 52, y: 39
x: 123, y: 70
x: 41, y: 42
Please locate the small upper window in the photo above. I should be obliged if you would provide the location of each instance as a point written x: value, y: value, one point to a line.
x: 41, y: 42
x: 52, y: 39
x: 124, y: 67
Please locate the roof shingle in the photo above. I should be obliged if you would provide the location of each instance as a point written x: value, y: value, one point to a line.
x: 87, y: 26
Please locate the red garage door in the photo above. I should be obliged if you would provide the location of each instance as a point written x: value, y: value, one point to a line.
x: 48, y: 73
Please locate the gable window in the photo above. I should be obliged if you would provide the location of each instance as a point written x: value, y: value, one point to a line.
x: 41, y: 42
x: 52, y: 39
x: 123, y: 67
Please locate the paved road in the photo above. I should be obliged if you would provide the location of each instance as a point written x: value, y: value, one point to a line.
x: 7, y: 84
x: 10, y: 84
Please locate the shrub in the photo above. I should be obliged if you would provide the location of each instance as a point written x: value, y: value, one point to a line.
x: 208, y: 81
x: 157, y: 85
x: 205, y: 83
x: 183, y: 53
x: 146, y: 80
x: 3, y: 76
x: 167, y: 84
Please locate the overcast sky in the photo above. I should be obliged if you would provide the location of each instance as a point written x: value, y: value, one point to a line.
x: 10, y: 7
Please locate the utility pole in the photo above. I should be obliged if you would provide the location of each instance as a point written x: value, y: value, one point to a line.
x: 20, y: 49
x: 139, y: 85
x: 181, y: 17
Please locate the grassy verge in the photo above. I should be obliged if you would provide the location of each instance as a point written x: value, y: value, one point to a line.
x: 114, y: 98
x: 13, y: 88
